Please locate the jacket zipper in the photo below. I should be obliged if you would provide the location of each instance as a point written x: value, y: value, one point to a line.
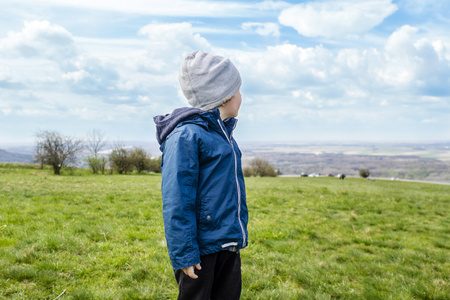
x: 237, y: 181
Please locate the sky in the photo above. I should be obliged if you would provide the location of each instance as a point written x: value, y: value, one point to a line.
x: 312, y: 71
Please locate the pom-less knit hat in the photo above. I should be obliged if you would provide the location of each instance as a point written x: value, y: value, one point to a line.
x: 208, y: 80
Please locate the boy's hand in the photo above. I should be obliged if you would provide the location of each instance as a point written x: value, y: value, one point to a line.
x: 189, y: 271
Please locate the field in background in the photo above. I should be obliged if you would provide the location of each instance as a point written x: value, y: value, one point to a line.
x: 420, y: 161
x: 427, y: 162
x: 102, y: 237
x: 439, y: 151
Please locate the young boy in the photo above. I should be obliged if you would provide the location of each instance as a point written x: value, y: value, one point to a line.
x: 204, y: 205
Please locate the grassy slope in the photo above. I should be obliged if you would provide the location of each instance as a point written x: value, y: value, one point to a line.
x: 101, y: 237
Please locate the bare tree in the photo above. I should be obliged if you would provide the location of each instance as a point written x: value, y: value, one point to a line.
x: 95, y: 143
x: 56, y: 150
x: 39, y: 155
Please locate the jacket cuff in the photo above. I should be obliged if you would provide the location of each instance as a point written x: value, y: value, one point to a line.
x: 185, y: 262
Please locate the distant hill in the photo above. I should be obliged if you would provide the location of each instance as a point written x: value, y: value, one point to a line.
x: 6, y: 156
x: 403, y: 167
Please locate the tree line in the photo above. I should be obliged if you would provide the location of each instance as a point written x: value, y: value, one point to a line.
x: 59, y: 151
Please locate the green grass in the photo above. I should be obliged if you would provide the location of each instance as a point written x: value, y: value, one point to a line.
x: 102, y: 237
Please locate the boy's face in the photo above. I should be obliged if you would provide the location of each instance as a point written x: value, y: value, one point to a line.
x: 234, y: 104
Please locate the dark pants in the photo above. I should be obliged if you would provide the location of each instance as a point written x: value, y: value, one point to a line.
x: 219, y: 278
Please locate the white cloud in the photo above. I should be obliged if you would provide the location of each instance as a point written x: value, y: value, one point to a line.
x: 35, y: 112
x: 110, y: 47
x: 301, y: 94
x: 296, y: 94
x: 399, y: 43
x: 128, y: 108
x: 146, y: 66
x: 171, y: 7
x: 83, y: 113
x: 417, y: 63
x: 39, y: 39
x: 6, y: 111
x: 143, y: 99
x: 173, y: 36
x: 76, y: 76
x: 272, y: 5
x: 423, y: 6
x: 7, y: 81
x: 167, y: 43
x: 264, y: 29
x: 285, y: 67
x: 91, y: 75
x: 407, y: 70
x: 353, y: 91
x: 336, y: 18
x: 307, y: 83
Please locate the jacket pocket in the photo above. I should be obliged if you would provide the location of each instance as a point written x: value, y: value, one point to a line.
x: 207, y: 219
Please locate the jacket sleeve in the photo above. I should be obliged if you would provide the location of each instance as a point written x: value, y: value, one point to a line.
x: 180, y: 170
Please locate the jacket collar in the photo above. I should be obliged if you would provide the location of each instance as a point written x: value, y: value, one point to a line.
x: 214, y: 121
x: 165, y: 124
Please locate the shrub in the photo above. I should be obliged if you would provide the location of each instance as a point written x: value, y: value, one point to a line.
x: 364, y: 173
x: 120, y: 161
x: 96, y: 163
x: 155, y: 165
x: 140, y: 159
x: 248, y: 171
x: 259, y: 167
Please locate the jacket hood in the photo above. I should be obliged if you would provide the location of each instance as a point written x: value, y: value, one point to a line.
x: 165, y: 124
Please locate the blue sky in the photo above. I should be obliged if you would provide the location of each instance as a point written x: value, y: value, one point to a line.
x: 342, y: 70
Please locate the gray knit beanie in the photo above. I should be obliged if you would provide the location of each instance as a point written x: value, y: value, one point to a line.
x: 208, y: 80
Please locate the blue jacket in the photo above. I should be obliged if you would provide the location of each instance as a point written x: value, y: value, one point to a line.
x: 203, y: 192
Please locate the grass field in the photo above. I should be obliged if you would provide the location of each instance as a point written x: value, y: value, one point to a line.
x: 102, y: 237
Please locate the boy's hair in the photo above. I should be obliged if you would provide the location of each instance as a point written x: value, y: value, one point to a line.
x: 208, y: 80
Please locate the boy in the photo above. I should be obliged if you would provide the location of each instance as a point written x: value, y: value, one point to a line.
x: 204, y: 205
